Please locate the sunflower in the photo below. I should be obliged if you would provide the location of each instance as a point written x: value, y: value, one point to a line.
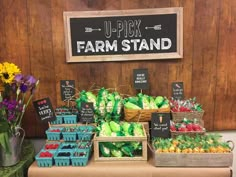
x: 8, y: 72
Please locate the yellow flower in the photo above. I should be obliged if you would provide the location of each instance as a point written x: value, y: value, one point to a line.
x: 8, y: 72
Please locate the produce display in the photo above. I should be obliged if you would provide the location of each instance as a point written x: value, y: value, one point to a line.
x: 143, y: 101
x: 107, y: 105
x: 210, y: 143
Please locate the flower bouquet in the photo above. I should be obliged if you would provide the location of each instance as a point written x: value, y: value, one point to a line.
x: 16, y: 92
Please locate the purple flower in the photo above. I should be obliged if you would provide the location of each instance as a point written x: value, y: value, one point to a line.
x: 30, y: 80
x: 23, y: 88
x: 25, y: 82
x: 19, y: 78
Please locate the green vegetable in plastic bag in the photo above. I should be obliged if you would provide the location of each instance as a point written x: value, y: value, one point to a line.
x: 116, y: 153
x: 130, y: 105
x: 105, y: 129
x: 128, y: 150
x: 127, y: 128
x: 152, y: 103
x: 104, y: 150
x: 159, y: 100
x: 138, y: 129
x: 115, y: 127
x: 143, y: 101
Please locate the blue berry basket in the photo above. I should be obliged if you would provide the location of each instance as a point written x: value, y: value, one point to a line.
x: 54, y: 136
x: 70, y: 119
x: 62, y: 160
x: 79, y: 160
x: 69, y: 134
x: 85, y: 132
x: 45, y: 161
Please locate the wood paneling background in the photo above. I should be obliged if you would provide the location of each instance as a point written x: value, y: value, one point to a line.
x: 32, y: 36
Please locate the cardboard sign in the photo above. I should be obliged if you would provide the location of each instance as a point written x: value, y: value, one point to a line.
x: 67, y: 89
x: 160, y: 125
x: 178, y: 90
x: 44, y: 110
x: 140, y: 77
x: 87, y: 113
x: 118, y: 35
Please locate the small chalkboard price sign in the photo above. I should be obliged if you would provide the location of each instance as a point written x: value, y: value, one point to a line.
x: 86, y: 113
x: 67, y: 89
x: 160, y: 125
x: 44, y: 110
x: 178, y: 90
x: 140, y: 77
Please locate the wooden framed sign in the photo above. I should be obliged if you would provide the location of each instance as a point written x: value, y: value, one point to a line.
x: 121, y: 35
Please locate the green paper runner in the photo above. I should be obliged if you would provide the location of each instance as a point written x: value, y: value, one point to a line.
x: 21, y: 168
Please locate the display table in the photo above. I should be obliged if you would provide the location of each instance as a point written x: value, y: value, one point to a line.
x: 125, y: 169
x: 21, y: 168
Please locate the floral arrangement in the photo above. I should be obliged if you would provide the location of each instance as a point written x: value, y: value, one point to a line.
x: 16, y: 92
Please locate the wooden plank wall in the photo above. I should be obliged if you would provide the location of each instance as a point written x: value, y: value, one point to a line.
x: 32, y: 36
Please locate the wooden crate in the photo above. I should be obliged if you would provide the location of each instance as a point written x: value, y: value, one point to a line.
x: 193, y: 159
x: 143, y: 140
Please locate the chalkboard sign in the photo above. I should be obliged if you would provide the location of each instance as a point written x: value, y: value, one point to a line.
x: 140, y: 78
x: 67, y: 89
x: 121, y: 35
x: 44, y: 110
x: 178, y: 90
x: 160, y: 125
x: 87, y: 112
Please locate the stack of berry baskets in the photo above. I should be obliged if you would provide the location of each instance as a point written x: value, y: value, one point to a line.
x: 65, y: 115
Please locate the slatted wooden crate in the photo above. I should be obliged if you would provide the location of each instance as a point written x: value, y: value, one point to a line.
x: 143, y: 140
x: 193, y: 159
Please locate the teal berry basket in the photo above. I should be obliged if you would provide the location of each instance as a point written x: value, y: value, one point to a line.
x: 85, y: 132
x: 85, y: 146
x: 54, y: 133
x: 62, y: 158
x: 79, y: 158
x: 45, y: 161
x: 67, y: 147
x: 70, y: 119
x: 58, y: 120
x: 69, y: 136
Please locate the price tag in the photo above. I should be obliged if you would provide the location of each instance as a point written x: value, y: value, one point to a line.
x: 178, y: 90
x: 67, y: 89
x: 140, y: 77
x: 160, y: 125
x: 87, y: 113
x: 44, y: 110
